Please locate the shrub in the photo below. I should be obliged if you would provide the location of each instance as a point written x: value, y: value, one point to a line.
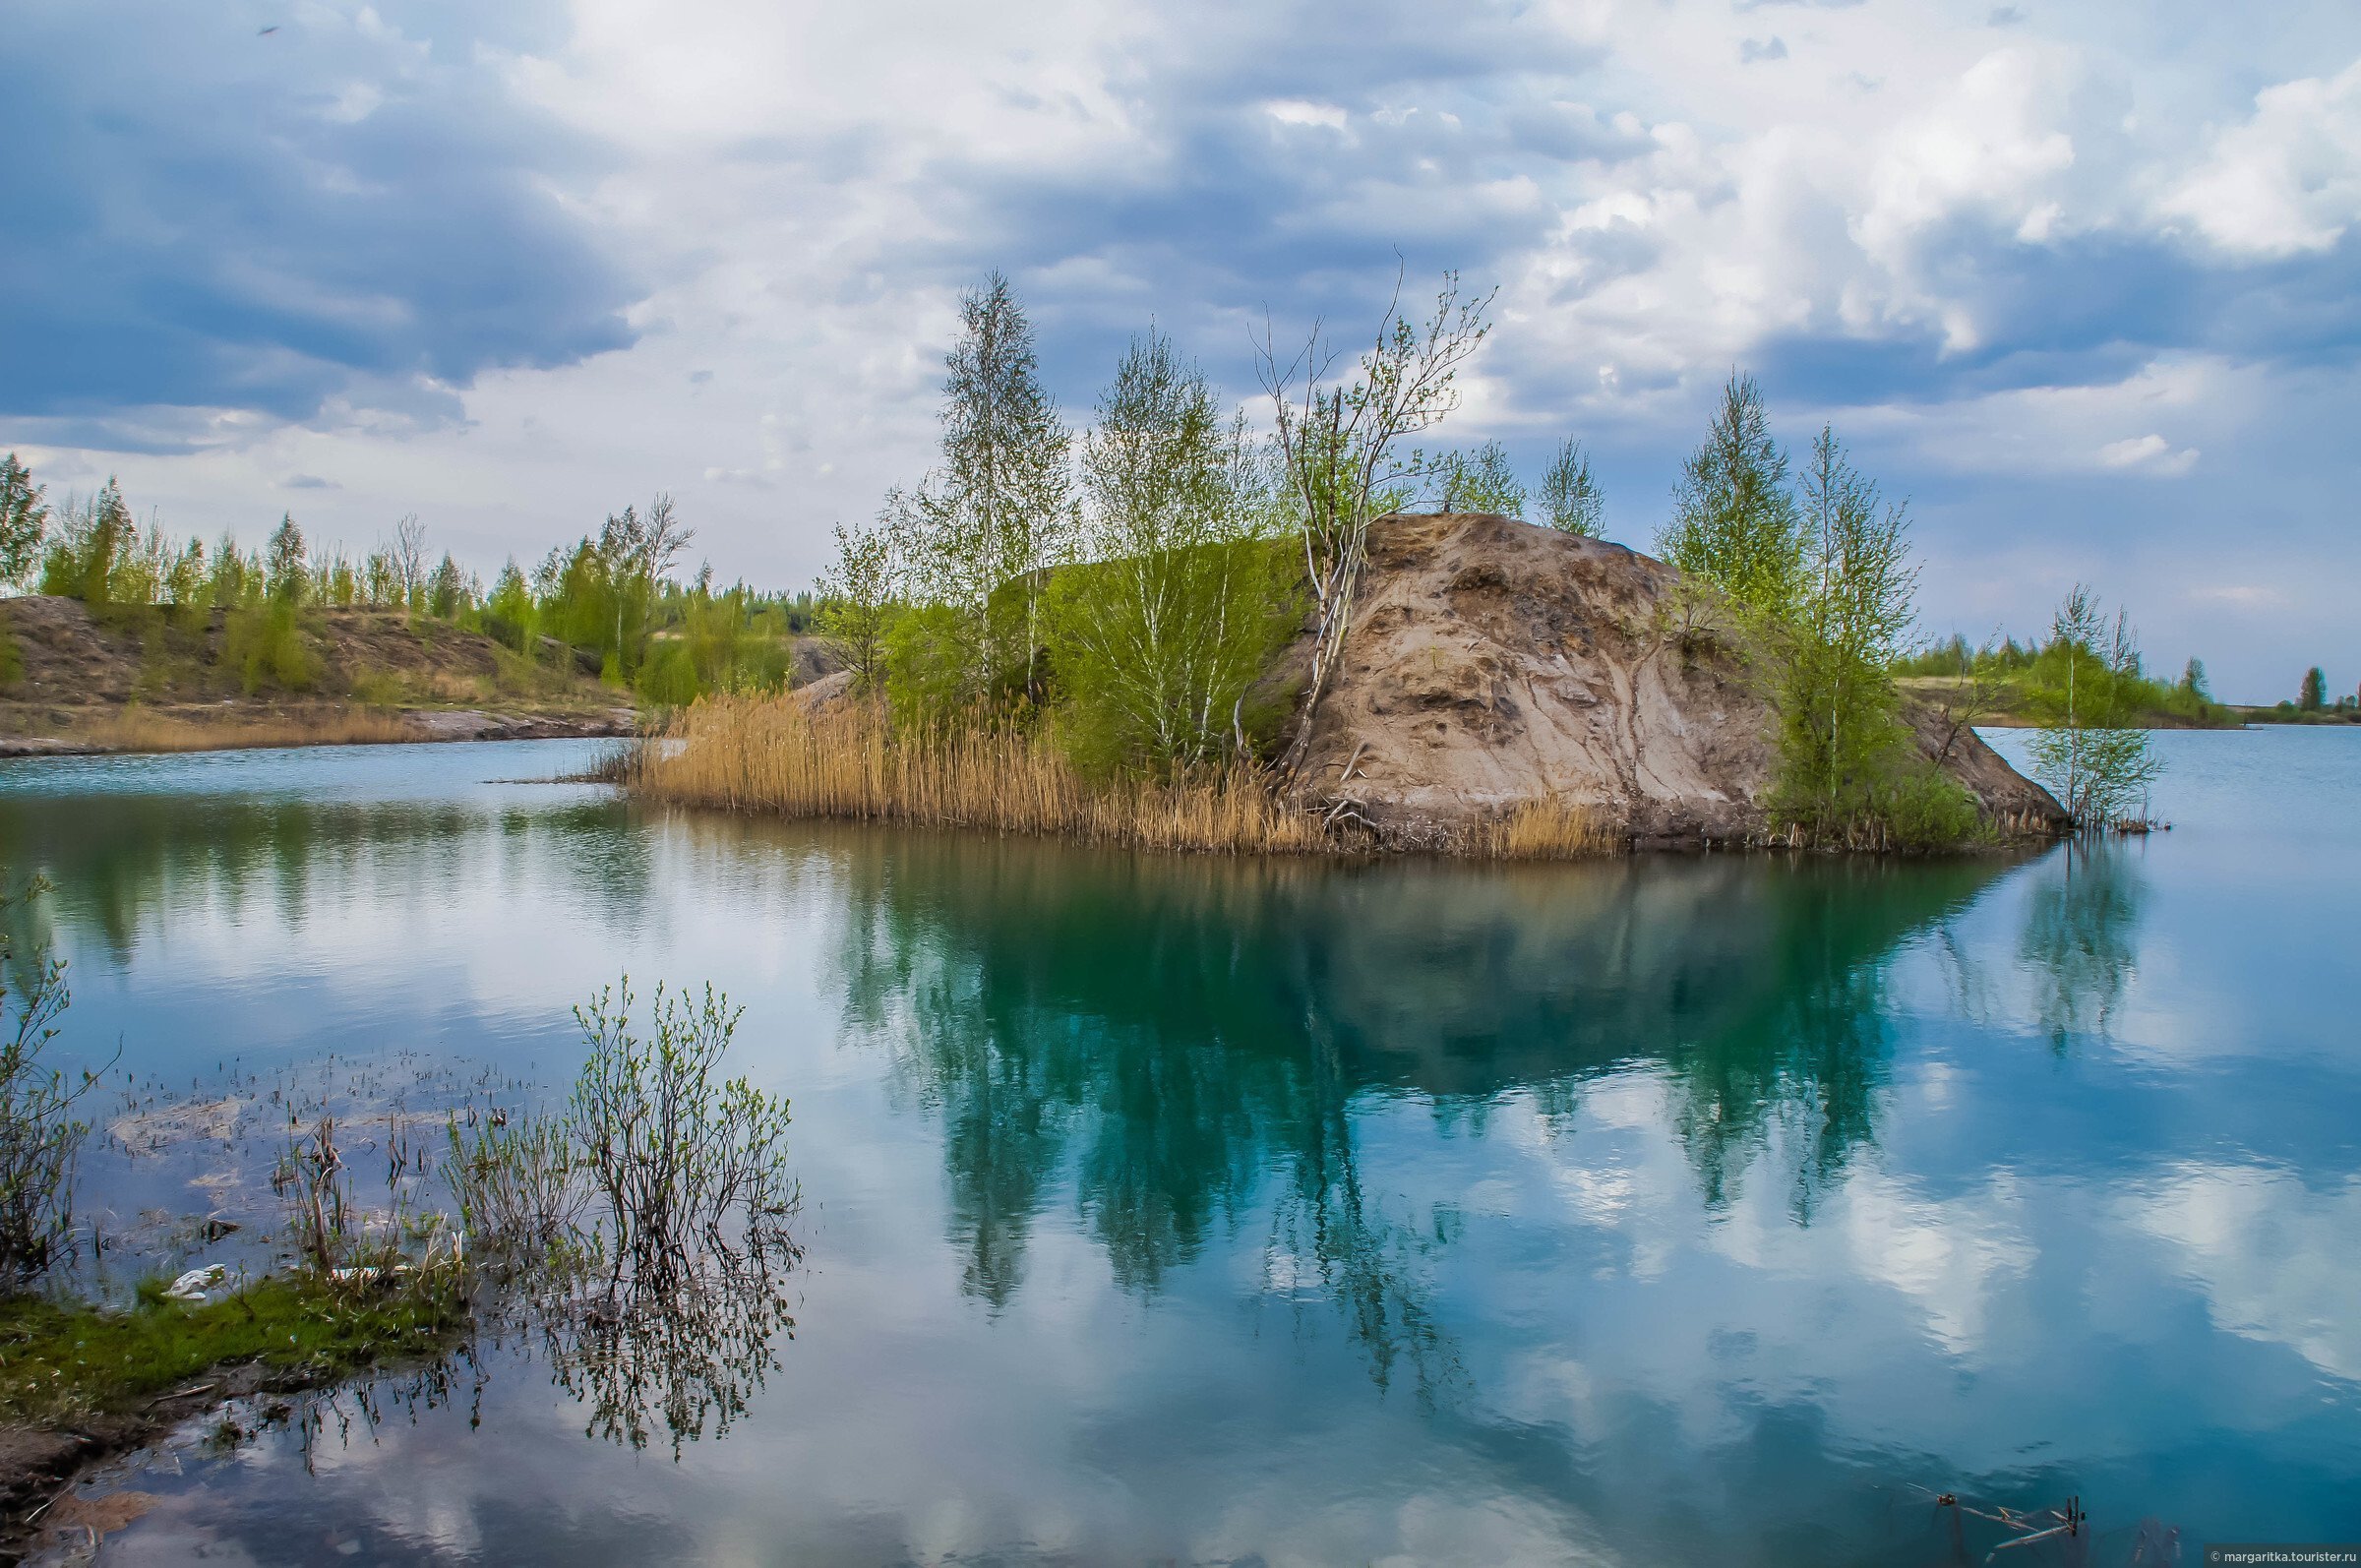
x: 39, y: 1135
x: 676, y: 1155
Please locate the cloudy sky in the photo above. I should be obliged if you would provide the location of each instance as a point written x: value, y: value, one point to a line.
x: 2084, y: 282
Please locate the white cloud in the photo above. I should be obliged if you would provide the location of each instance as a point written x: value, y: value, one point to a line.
x: 2150, y: 454
x: 2286, y: 180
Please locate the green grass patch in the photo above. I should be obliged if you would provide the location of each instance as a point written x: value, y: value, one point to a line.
x: 58, y: 1358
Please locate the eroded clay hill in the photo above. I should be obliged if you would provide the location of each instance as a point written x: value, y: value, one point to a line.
x: 1492, y: 663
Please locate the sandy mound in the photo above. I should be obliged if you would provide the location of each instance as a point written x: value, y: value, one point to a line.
x: 1492, y: 663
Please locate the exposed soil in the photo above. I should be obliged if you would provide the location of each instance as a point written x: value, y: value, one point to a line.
x: 140, y: 678
x: 1493, y: 663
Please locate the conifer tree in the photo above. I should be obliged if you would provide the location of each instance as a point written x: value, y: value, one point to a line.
x: 2314, y: 693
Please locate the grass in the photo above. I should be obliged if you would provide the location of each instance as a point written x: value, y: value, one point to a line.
x: 778, y: 755
x: 58, y: 1360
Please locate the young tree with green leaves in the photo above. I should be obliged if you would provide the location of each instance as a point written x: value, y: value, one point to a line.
x: 24, y: 521
x: 856, y: 598
x: 1484, y: 481
x: 1844, y: 755
x: 1735, y: 523
x: 289, y: 574
x: 979, y: 534
x: 2090, y: 756
x: 2313, y: 694
x: 1156, y: 638
x: 1340, y: 443
x: 1570, y: 498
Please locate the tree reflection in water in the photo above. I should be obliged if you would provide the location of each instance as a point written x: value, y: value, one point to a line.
x: 1189, y: 1042
x: 2081, y: 922
x: 682, y: 1349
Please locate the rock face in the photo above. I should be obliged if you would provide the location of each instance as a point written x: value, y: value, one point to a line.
x: 1493, y: 663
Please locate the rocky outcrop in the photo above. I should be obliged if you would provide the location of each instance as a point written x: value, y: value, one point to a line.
x: 1492, y: 663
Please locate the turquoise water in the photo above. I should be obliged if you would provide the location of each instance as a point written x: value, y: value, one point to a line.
x: 1686, y: 1210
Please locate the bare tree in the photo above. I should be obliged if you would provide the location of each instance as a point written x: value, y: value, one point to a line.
x: 409, y: 558
x: 1340, y: 438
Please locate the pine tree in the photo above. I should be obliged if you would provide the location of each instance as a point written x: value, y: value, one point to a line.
x: 288, y: 573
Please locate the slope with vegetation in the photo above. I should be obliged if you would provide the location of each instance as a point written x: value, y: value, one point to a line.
x: 1196, y: 636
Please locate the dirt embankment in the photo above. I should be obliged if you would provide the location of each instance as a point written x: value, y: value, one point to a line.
x: 1492, y: 663
x: 139, y: 679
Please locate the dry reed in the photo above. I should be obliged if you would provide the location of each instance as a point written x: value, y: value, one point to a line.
x: 783, y: 754
x: 1546, y: 830
x: 138, y: 730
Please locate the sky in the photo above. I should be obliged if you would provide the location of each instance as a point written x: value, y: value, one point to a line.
x: 2082, y: 283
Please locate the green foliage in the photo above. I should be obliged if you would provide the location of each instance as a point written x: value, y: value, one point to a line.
x: 286, y: 571
x: 856, y: 603
x: 1844, y: 755
x: 1735, y: 523
x: 265, y: 643
x: 94, y: 551
x: 39, y: 1135
x: 1481, y: 481
x: 979, y: 534
x: 675, y: 1153
x: 24, y: 521
x: 1570, y: 498
x: 1155, y: 643
x: 2087, y: 685
x: 2313, y: 696
x: 929, y: 677
x: 57, y: 1360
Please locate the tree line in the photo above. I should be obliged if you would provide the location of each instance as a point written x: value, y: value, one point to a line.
x: 611, y: 602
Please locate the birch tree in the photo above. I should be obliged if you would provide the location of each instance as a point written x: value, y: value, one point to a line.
x: 2090, y: 755
x: 1339, y: 439
x: 1841, y: 741
x: 855, y: 598
x: 998, y: 512
x: 1735, y: 523
x: 1570, y: 500
x: 1156, y: 640
x: 24, y: 520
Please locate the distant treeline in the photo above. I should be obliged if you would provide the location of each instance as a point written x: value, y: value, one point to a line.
x: 607, y: 603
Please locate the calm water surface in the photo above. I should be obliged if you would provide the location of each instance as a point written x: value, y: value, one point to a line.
x: 1679, y: 1211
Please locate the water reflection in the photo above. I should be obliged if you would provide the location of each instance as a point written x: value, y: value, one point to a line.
x: 1167, y: 1036
x: 2081, y: 939
x: 149, y: 860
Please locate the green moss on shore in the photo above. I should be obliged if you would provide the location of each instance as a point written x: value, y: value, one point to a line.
x: 58, y: 1360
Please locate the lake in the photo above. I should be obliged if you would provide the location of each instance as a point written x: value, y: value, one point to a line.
x: 1705, y: 1209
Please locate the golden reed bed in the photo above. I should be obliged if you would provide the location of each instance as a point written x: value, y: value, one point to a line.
x: 778, y: 755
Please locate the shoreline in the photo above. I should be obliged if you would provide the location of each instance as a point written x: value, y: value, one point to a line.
x: 121, y: 732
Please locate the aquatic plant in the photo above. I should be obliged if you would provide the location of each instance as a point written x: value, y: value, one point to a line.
x: 518, y: 1182
x: 679, y: 1158
x: 39, y: 1134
